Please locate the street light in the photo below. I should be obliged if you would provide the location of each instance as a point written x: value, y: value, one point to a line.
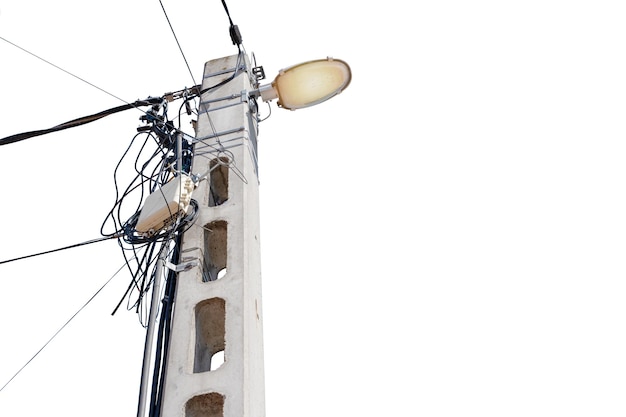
x: 296, y: 87
x: 307, y: 84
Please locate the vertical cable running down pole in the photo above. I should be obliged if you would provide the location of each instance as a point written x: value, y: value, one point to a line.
x: 147, y: 351
x: 163, y: 332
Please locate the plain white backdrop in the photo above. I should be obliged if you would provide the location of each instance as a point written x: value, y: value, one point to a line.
x: 445, y: 238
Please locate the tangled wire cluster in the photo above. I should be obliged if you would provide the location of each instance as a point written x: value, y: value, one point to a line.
x: 157, y: 154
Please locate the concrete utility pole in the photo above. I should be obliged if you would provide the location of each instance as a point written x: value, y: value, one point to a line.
x: 218, y: 303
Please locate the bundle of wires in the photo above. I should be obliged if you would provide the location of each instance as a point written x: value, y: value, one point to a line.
x: 151, y: 160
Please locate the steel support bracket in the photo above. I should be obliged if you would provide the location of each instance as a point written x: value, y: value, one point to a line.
x: 184, y: 266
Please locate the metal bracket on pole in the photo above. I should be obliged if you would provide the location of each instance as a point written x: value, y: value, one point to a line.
x: 235, y: 69
x: 182, y: 93
x: 184, y: 266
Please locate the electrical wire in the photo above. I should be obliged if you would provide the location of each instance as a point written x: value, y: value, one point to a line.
x: 152, y: 160
x: 60, y: 249
x: 150, y: 101
x: 78, y: 122
x: 65, y: 71
x: 163, y: 335
x: 227, y: 12
x: 61, y: 328
x: 178, y: 43
x: 235, y: 35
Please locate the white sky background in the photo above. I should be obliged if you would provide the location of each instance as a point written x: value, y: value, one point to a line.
x: 445, y: 238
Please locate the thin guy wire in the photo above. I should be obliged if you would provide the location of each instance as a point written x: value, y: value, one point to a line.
x: 216, y: 137
x: 178, y: 43
x: 65, y: 71
x: 62, y: 327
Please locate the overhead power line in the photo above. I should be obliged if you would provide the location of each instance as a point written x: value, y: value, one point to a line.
x: 59, y: 249
x: 178, y: 43
x: 64, y: 70
x: 62, y: 327
x: 235, y: 35
x: 86, y: 119
x: 151, y: 101
x: 80, y: 121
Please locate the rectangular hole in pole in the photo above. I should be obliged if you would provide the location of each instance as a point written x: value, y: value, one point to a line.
x: 215, y: 250
x: 210, y: 333
x: 218, y: 181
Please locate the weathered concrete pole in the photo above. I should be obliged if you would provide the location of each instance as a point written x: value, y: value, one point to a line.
x: 218, y: 303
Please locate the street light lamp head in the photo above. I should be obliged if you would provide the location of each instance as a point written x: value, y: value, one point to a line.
x: 307, y: 84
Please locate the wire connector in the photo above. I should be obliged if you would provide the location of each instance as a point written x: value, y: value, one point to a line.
x: 235, y: 35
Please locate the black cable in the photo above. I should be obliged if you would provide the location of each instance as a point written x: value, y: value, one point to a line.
x: 166, y: 344
x: 111, y: 215
x: 78, y: 122
x: 151, y: 101
x: 163, y: 335
x: 235, y: 35
x: 154, y: 153
x: 137, y: 183
x: 60, y: 249
x: 227, y: 12
x: 225, y: 81
x: 139, y: 278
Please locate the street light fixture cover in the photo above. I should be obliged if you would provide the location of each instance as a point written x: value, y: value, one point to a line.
x: 308, y: 84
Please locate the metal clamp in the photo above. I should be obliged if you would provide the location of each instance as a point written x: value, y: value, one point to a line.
x: 184, y: 266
